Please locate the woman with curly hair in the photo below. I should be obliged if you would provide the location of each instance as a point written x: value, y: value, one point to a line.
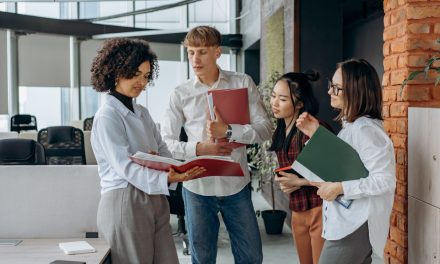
x: 133, y: 214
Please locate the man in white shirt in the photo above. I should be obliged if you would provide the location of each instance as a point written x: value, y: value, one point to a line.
x: 204, y: 198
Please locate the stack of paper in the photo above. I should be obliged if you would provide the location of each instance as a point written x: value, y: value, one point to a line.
x: 76, y: 247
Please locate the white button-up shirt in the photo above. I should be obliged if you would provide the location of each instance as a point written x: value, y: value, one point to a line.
x: 118, y: 133
x: 374, y: 195
x: 188, y: 108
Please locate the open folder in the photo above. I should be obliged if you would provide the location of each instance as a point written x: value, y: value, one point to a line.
x: 214, y: 165
x: 327, y: 158
x: 232, y: 105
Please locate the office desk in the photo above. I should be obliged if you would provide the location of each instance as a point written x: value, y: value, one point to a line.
x: 44, y: 251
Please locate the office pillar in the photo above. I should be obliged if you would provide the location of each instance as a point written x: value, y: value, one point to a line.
x: 12, y: 71
x: 75, y: 91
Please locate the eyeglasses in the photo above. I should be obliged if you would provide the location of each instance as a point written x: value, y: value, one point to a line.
x: 335, y: 89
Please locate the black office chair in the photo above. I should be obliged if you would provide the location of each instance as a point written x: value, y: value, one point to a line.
x: 23, y: 123
x: 20, y: 151
x: 88, y: 123
x: 64, y: 145
x: 177, y: 206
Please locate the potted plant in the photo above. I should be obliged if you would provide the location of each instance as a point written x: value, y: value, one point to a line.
x: 265, y: 163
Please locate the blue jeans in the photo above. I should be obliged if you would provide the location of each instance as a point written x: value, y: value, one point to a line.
x: 239, y: 217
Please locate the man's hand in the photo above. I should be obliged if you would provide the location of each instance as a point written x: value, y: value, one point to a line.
x: 290, y: 182
x: 328, y: 190
x: 211, y: 148
x: 190, y: 174
x: 216, y: 128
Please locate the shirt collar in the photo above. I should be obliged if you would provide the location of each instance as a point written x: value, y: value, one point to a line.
x: 120, y: 107
x: 222, y: 76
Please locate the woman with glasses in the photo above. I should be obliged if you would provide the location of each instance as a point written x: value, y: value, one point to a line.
x: 133, y: 213
x: 353, y: 234
x: 291, y: 96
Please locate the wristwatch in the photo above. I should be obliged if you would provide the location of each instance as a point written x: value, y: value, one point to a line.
x: 228, y: 133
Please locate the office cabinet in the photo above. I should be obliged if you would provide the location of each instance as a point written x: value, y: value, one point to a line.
x: 424, y: 185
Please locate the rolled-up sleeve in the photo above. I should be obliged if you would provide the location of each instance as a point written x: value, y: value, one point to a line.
x: 377, y: 153
x: 109, y: 133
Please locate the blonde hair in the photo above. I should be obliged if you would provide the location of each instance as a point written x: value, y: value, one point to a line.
x: 202, y: 36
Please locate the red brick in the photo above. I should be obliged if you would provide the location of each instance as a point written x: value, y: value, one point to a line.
x: 398, y: 236
x: 393, y: 219
x: 421, y: 44
x: 402, y: 126
x: 402, y: 254
x: 389, y: 125
x: 416, y: 93
x: 398, y: 46
x: 418, y: 28
x: 402, y: 190
x: 385, y: 79
x: 401, y: 156
x: 390, y: 33
x: 437, y: 28
x: 399, y: 110
x: 386, y: 48
x: 398, y: 76
x: 399, y: 141
x: 402, y: 220
x: 435, y: 92
x: 391, y: 248
x: 417, y: 60
x: 386, y: 111
x: 398, y: 16
x: 419, y: 12
x: 389, y: 95
x: 402, y: 61
x: 390, y: 63
x: 401, y: 174
x: 389, y: 4
x: 386, y: 20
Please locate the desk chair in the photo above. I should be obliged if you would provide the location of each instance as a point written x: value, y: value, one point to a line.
x: 177, y: 206
x: 64, y: 145
x: 20, y: 151
x: 23, y: 123
x: 88, y: 123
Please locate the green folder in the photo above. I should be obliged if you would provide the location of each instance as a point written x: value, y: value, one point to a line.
x: 328, y: 158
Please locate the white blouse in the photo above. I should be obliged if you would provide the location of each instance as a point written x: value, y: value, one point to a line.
x: 374, y: 195
x: 118, y: 133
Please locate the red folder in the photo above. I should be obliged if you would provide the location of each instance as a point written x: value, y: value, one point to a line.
x: 233, y: 107
x: 214, y: 166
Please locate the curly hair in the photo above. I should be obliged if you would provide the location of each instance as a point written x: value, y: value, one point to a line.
x: 121, y: 57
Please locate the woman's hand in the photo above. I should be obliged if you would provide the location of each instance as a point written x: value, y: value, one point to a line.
x: 190, y: 174
x: 328, y: 190
x: 290, y: 182
x: 307, y: 123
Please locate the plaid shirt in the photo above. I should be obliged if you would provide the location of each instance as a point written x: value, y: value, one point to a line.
x: 305, y: 198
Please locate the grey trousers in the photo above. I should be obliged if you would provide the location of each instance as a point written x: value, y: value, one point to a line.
x: 352, y: 249
x: 136, y: 226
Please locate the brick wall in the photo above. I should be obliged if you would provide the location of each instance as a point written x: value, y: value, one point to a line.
x: 411, y: 30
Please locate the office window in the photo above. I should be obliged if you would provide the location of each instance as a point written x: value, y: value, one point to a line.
x: 48, y: 104
x: 90, y: 101
x: 166, y: 19
x: 210, y: 12
x: 156, y: 98
x: 3, y: 7
x: 50, y: 10
x: 113, y: 8
x: 4, y: 123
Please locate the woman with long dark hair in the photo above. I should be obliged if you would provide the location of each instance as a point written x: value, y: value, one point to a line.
x: 291, y: 96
